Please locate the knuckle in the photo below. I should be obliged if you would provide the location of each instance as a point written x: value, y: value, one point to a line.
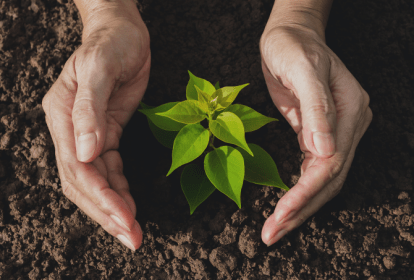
x: 45, y: 102
x: 101, y: 200
x: 83, y: 108
x: 369, y: 115
x: 314, y: 59
x: 366, y: 99
x: 322, y: 105
x: 336, y: 167
x: 98, y: 56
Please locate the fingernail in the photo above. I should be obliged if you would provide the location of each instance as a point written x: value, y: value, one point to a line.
x: 276, y: 238
x: 85, y: 146
x: 126, y: 241
x: 324, y: 143
x: 119, y: 222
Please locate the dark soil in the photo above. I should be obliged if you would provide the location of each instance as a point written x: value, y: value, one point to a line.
x: 366, y: 232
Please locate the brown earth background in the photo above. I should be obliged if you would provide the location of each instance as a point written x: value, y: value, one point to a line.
x: 366, y: 232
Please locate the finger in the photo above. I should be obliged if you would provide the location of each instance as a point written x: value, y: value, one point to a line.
x: 131, y: 238
x: 318, y: 112
x: 116, y: 178
x: 85, y: 177
x: 301, y: 202
x: 317, y: 172
x: 97, y: 74
x: 284, y: 99
x: 110, y: 167
x: 276, y: 227
x: 123, y: 104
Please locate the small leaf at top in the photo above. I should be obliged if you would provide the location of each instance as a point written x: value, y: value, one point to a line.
x: 202, y: 84
x: 166, y: 138
x: 251, y: 119
x: 189, y: 144
x: 162, y: 121
x: 224, y: 167
x: 261, y: 169
x: 217, y: 86
x: 195, y: 185
x: 226, y: 95
x: 229, y: 128
x: 185, y: 112
x: 203, y: 99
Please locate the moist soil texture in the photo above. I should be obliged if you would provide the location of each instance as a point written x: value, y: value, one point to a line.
x: 366, y: 232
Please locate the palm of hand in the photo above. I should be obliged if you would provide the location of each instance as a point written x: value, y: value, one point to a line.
x: 96, y: 94
x: 315, y: 93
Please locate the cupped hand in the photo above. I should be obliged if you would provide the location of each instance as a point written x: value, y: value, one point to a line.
x: 327, y: 108
x: 86, y: 110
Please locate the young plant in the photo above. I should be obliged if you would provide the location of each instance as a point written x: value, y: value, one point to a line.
x: 177, y: 125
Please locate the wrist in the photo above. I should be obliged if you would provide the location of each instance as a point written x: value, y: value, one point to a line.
x: 309, y: 15
x: 98, y: 13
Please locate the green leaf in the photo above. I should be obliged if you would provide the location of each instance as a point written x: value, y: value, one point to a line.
x: 166, y: 138
x: 145, y: 106
x: 195, y: 185
x: 251, y: 119
x: 229, y: 128
x: 185, y: 112
x: 189, y: 144
x: 261, y: 169
x: 202, y: 84
x: 161, y: 121
x: 224, y: 167
x: 203, y: 99
x: 217, y: 86
x: 226, y: 95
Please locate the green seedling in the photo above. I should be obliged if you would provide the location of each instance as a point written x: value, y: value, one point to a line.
x: 176, y: 125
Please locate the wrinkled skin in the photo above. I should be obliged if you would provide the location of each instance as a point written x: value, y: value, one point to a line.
x: 103, y: 81
x: 94, y: 97
x: 327, y: 108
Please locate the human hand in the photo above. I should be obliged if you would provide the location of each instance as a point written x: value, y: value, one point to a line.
x: 327, y: 108
x: 87, y: 108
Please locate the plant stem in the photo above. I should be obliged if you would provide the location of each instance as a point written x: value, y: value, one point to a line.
x: 211, y: 141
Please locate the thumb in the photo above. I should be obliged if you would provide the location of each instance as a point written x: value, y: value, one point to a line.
x: 318, y: 113
x: 89, y: 109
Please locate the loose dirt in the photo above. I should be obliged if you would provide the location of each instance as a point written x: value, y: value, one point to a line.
x: 366, y: 232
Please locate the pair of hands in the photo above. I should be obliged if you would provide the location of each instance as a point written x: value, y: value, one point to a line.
x: 103, y: 81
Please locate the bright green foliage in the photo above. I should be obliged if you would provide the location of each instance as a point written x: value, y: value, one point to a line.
x: 225, y: 96
x: 217, y: 85
x: 251, y: 119
x: 203, y: 100
x: 229, y: 128
x: 177, y: 125
x: 160, y: 121
x: 202, y: 84
x: 185, y: 112
x: 189, y: 144
x: 224, y: 167
x: 166, y: 138
x: 261, y: 169
x: 195, y: 185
